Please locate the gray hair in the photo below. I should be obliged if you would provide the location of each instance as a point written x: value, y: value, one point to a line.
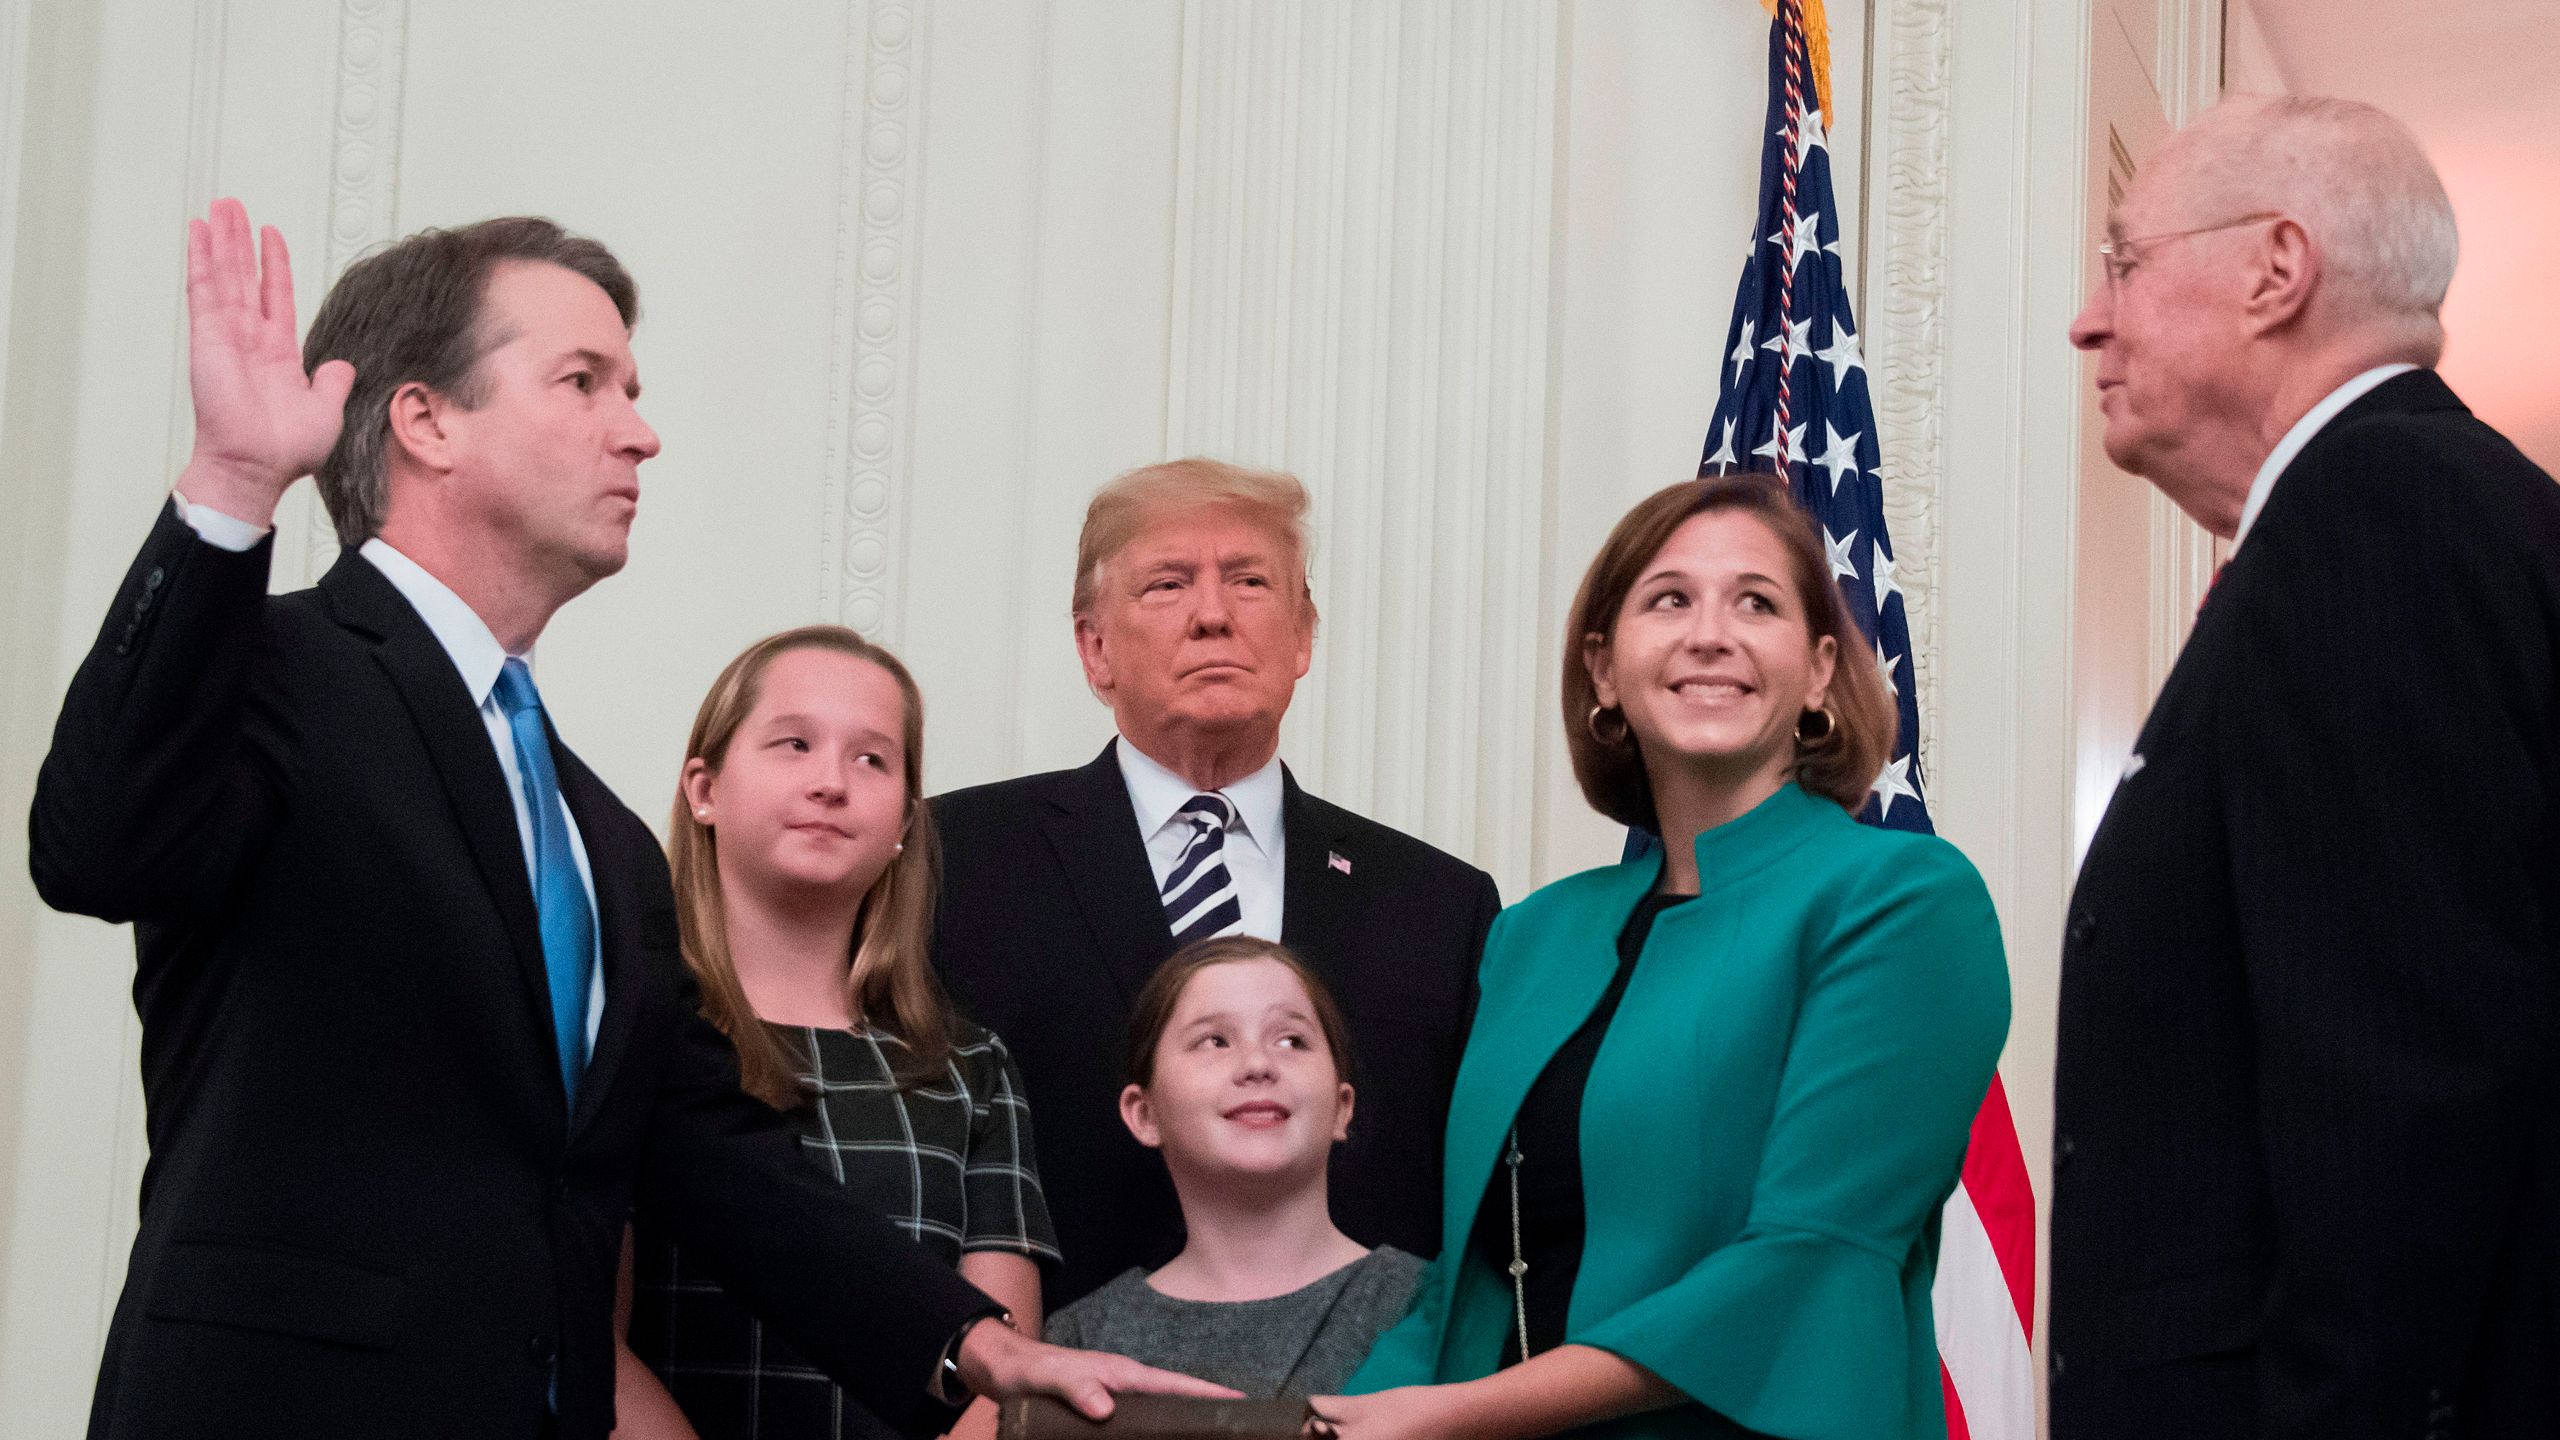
x: 2357, y: 180
x: 411, y: 312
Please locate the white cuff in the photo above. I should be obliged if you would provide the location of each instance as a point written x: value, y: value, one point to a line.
x: 223, y: 532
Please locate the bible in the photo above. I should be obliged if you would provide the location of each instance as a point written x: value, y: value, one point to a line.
x: 1161, y: 1417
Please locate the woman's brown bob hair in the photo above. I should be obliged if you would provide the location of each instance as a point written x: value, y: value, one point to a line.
x: 892, y: 981
x: 1152, y: 1011
x: 1841, y: 764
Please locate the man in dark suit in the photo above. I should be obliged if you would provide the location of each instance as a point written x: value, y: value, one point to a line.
x: 416, y: 1032
x: 1063, y: 892
x: 2306, y: 1145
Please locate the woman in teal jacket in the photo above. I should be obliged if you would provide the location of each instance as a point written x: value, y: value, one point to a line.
x: 1714, y: 1096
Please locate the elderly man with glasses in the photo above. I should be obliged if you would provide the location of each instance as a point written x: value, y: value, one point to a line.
x: 2306, y: 1146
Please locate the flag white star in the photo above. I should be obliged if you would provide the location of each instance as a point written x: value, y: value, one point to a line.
x: 1782, y: 449
x: 1841, y: 564
x: 1842, y: 356
x: 1742, y: 349
x: 1724, y: 459
x: 1884, y: 667
x: 1796, y: 344
x: 1894, y: 782
x: 1809, y: 136
x: 1841, y: 455
x: 1880, y: 575
x: 1807, y: 241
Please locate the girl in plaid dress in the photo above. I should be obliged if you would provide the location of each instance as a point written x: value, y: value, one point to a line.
x: 803, y: 861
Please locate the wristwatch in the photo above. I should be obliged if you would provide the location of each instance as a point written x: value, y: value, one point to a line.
x: 947, y: 1385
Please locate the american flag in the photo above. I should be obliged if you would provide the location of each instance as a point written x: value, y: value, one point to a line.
x: 1795, y: 402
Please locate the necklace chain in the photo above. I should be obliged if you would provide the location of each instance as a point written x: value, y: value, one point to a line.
x: 1519, y: 1261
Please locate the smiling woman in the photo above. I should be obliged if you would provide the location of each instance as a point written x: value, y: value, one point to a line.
x: 1674, y: 1153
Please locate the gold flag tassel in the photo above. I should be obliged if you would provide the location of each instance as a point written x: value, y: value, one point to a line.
x: 1817, y: 49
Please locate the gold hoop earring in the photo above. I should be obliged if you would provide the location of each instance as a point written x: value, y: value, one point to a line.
x: 1591, y: 723
x: 1818, y: 736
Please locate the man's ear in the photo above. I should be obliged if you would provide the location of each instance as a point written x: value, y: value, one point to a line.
x: 417, y: 416
x: 1140, y: 1117
x: 1595, y: 663
x: 1097, y: 662
x: 2286, y: 273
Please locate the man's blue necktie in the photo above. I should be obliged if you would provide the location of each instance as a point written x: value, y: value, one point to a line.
x: 559, y: 897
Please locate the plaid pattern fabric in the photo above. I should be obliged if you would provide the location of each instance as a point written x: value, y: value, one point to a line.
x: 950, y: 1162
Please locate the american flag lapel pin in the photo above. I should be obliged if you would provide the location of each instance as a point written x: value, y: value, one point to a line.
x: 1333, y: 861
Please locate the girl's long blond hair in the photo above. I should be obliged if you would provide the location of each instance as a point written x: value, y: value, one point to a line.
x: 891, y: 982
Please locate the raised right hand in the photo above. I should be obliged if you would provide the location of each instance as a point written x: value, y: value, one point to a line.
x: 261, y: 423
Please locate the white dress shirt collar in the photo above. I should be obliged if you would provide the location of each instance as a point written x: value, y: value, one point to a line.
x: 1158, y: 793
x: 2311, y: 423
x: 457, y: 627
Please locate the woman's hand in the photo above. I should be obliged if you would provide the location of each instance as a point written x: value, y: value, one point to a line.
x: 1414, y: 1412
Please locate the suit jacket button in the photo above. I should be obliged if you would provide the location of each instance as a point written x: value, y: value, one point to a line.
x: 2057, y: 1365
x: 541, y: 1352
x: 2083, y: 925
x: 153, y: 580
x: 2062, y: 1151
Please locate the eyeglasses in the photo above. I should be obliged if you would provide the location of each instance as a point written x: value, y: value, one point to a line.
x: 2120, y: 256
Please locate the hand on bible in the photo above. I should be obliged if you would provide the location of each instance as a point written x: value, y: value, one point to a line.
x: 261, y: 423
x: 1001, y: 1364
x: 1414, y: 1412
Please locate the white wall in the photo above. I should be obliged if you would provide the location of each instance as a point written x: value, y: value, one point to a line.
x: 918, y: 274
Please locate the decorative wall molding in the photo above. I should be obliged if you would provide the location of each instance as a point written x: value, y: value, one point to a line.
x: 1363, y: 229
x: 2184, y: 554
x: 1907, y: 349
x: 870, y: 390
x: 364, y: 181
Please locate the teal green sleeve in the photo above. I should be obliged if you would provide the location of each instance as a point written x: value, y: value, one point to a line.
x: 1408, y: 1353
x: 1800, y: 1325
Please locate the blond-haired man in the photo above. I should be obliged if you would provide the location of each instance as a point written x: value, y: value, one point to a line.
x: 1064, y: 891
x: 2306, y: 1149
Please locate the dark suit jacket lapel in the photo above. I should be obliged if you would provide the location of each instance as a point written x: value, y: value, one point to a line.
x: 1094, y: 831
x: 619, y: 906
x: 458, y: 744
x: 1316, y: 895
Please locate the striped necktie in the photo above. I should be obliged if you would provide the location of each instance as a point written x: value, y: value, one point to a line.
x: 1199, y: 896
x: 568, y: 921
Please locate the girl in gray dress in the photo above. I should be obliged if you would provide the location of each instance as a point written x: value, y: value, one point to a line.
x: 1237, y: 1076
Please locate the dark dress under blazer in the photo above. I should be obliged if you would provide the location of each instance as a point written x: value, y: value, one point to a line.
x: 2306, y: 1145
x: 1050, y: 922
x: 369, y: 1210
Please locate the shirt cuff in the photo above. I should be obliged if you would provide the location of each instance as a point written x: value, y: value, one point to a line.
x: 947, y: 1387
x: 222, y: 532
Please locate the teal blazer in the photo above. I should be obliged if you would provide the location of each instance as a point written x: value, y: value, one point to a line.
x: 1777, y: 1112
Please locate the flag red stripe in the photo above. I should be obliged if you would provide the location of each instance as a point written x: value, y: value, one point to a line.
x: 1956, y: 1428
x: 1995, y: 1178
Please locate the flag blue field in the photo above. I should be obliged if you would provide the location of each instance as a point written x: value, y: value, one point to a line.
x: 1794, y: 396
